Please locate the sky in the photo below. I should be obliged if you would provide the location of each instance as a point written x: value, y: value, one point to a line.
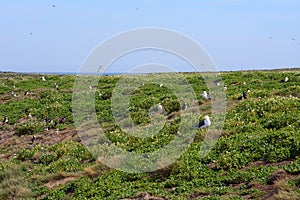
x: 58, y: 36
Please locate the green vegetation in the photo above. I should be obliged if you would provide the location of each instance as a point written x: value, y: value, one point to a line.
x: 260, y: 138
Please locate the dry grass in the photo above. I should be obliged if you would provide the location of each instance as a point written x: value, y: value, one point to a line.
x: 285, y: 191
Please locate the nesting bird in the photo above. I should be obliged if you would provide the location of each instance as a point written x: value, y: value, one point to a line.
x: 161, y: 85
x: 224, y: 88
x: 203, y: 123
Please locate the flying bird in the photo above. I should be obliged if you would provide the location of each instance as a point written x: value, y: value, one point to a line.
x: 203, y: 123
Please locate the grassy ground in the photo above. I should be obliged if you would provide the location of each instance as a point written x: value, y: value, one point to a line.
x: 256, y: 157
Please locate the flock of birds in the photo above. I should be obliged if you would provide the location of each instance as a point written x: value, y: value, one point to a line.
x: 204, y: 123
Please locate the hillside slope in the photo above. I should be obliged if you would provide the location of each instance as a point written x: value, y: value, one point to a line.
x: 256, y: 157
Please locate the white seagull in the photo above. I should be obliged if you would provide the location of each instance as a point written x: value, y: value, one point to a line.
x: 159, y: 107
x: 224, y: 88
x: 204, y: 95
x: 5, y: 120
x: 203, y: 123
x: 43, y: 78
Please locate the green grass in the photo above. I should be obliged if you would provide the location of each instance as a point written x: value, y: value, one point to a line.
x: 265, y: 129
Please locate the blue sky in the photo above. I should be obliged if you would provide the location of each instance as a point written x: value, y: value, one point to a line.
x: 237, y: 34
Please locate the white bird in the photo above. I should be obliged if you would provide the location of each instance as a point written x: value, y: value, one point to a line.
x: 224, y: 88
x: 217, y: 82
x: 248, y: 90
x: 56, y: 131
x: 244, y: 83
x: 204, y: 95
x: 159, y: 107
x: 91, y: 87
x: 184, y: 106
x: 161, y: 85
x: 56, y: 86
x: 203, y: 123
x: 286, y: 79
x: 29, y: 115
x: 43, y: 78
x: 5, y: 120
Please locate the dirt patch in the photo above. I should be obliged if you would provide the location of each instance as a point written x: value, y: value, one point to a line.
x: 63, y: 181
x: 144, y: 196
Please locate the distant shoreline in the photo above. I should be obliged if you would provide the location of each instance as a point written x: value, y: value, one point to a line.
x: 119, y: 73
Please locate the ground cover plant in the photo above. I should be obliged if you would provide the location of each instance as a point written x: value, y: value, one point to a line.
x: 256, y: 157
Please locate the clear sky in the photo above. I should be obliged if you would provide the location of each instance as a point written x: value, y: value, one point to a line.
x: 57, y: 36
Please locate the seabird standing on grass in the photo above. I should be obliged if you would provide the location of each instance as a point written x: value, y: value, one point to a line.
x: 26, y: 93
x: 285, y: 80
x: 159, y: 107
x: 244, y: 95
x: 184, y: 106
x: 203, y: 123
x: 32, y: 139
x: 5, y: 120
x: 204, y: 95
x: 56, y: 86
x: 43, y: 78
x: 224, y: 88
